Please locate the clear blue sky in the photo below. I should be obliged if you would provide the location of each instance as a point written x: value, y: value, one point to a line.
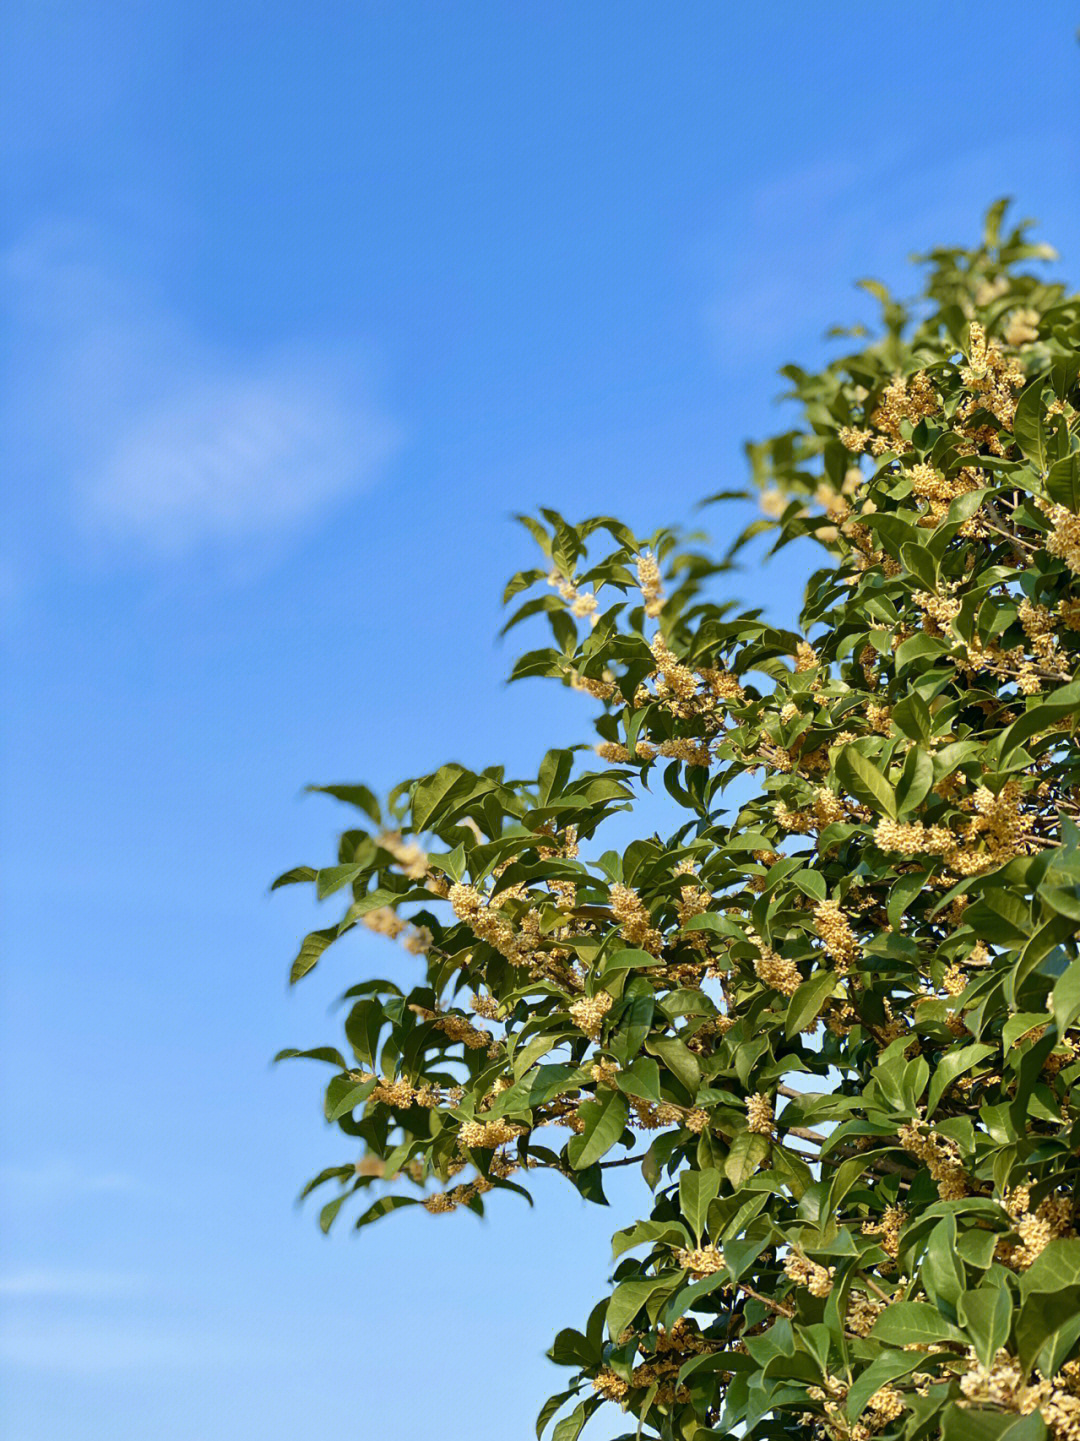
x: 304, y: 300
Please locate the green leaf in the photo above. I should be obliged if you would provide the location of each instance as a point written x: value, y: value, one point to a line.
x: 570, y: 1427
x: 678, y: 1058
x: 311, y: 949
x: 628, y: 1298
x: 912, y: 718
x: 1028, y: 423
x: 807, y: 1002
x: 1000, y: 917
x: 748, y: 1150
x: 629, y: 960
x: 1066, y: 997
x: 962, y: 1423
x: 604, y: 1121
x: 354, y: 795
x: 697, y: 1189
x: 1056, y: 1267
x: 549, y: 1408
x: 642, y: 1079
x: 382, y: 1207
x: 888, y: 1367
x: 919, y: 648
x: 571, y: 1348
x: 920, y: 562
x: 1063, y: 482
x: 432, y: 792
x: 330, y: 1054
x: 353, y: 1097
x: 861, y: 777
x: 330, y: 1210
x: 942, y: 1271
x: 902, y: 894
x: 913, y: 1322
x: 916, y: 781
x: 1051, y: 708
x: 952, y: 1065
x: 331, y: 878
x: 537, y: 1087
x: 297, y: 876
x: 1041, y: 1317
x: 986, y: 1315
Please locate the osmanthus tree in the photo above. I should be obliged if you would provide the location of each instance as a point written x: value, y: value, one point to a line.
x: 837, y: 1026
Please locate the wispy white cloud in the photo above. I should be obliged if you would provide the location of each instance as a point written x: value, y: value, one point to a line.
x: 61, y: 1178
x: 74, y: 1284
x: 798, y: 238
x: 95, y: 1347
x: 162, y: 441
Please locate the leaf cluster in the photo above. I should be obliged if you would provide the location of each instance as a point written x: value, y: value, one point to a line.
x: 833, y: 1017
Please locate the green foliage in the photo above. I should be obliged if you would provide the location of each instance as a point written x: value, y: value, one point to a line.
x: 834, y: 1028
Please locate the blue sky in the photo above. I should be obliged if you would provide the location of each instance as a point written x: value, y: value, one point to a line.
x: 302, y: 303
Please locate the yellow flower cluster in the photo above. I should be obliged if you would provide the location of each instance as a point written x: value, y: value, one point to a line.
x: 885, y: 1405
x: 1064, y: 538
x: 888, y: 1228
x: 879, y: 717
x: 446, y: 1201
x: 940, y: 1155
x: 759, y: 1114
x: 862, y: 1312
x: 853, y: 438
x: 991, y: 376
x: 910, y: 399
x: 402, y: 1093
x: 588, y: 1012
x: 633, y: 915
x: 939, y: 491
x: 828, y: 807
x: 611, y: 1387
x: 604, y: 1072
x: 650, y: 585
x: 410, y: 857
x: 582, y: 603
x: 912, y: 838
x: 1022, y: 327
x: 683, y: 748
x: 418, y: 940
x: 999, y: 818
x: 818, y: 1280
x: 778, y: 972
x: 722, y: 684
x: 1040, y: 627
x: 617, y: 754
x: 806, y: 657
x: 486, y: 1135
x: 1050, y: 1219
x: 652, y: 1115
x: 836, y: 934
x: 676, y: 683
x: 700, y: 1260
x: 460, y: 1028
x: 603, y: 689
x: 488, y: 925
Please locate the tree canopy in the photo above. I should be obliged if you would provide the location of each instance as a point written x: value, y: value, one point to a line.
x: 834, y: 1016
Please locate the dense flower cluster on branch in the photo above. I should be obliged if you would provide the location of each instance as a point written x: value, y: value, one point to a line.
x: 835, y: 1025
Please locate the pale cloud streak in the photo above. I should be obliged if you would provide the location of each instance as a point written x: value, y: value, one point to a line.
x: 72, y: 1284
x: 59, y: 1179
x: 797, y: 238
x: 101, y: 1348
x: 151, y: 437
